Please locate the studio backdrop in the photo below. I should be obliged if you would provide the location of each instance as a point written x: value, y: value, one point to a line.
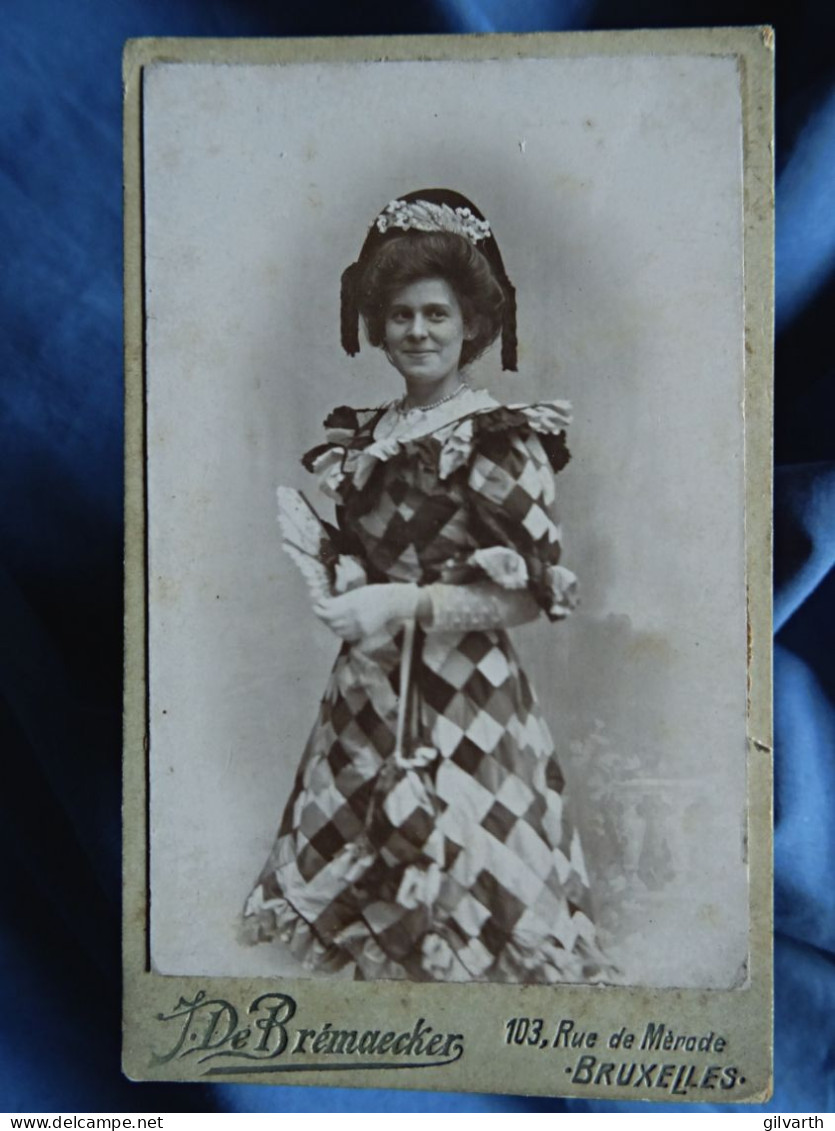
x: 613, y: 186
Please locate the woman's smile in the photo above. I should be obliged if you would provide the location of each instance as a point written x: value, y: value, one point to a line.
x: 425, y: 331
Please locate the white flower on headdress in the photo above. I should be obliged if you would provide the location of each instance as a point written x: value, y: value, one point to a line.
x: 422, y: 216
x: 420, y: 887
x: 562, y: 585
x: 504, y: 566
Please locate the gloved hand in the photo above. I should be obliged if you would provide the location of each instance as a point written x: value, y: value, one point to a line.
x: 369, y: 609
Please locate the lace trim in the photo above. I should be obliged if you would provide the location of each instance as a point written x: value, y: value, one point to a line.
x: 440, y: 960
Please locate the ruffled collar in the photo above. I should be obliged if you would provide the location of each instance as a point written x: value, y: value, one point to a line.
x: 359, y: 440
x: 394, y: 424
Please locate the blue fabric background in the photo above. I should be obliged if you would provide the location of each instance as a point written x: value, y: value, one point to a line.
x: 60, y: 569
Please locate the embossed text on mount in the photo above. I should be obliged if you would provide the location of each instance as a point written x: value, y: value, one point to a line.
x: 261, y: 1039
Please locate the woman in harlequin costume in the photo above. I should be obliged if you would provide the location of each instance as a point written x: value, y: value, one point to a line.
x: 426, y: 837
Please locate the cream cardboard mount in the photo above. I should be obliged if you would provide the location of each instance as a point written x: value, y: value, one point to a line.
x: 627, y: 179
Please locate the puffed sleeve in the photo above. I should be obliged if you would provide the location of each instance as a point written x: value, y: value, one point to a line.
x: 345, y: 429
x: 513, y: 505
x: 348, y: 431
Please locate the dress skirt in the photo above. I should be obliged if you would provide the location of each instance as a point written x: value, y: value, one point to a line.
x: 458, y: 863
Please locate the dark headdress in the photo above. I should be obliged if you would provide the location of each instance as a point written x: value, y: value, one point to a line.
x: 429, y: 210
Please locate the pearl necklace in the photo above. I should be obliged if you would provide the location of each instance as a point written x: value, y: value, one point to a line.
x: 403, y: 410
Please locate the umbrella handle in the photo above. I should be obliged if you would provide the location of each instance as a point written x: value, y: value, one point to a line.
x: 405, y: 672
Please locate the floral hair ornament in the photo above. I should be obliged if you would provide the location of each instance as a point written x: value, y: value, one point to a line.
x: 429, y: 210
x: 422, y: 216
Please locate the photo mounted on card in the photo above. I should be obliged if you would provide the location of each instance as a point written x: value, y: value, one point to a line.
x: 448, y: 735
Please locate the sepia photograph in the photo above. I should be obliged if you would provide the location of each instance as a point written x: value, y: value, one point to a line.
x: 445, y: 406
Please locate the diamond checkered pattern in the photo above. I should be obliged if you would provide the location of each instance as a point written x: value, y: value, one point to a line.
x: 466, y: 866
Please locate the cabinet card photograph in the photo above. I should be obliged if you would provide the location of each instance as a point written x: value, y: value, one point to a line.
x: 448, y: 562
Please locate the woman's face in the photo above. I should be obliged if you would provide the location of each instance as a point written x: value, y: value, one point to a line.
x: 425, y: 331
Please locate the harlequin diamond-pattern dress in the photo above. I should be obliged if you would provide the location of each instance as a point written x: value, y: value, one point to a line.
x: 457, y: 859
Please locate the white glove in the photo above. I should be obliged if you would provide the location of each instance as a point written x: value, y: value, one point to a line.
x: 368, y: 610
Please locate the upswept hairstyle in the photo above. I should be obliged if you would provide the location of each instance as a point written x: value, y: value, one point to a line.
x: 466, y: 256
x: 416, y: 255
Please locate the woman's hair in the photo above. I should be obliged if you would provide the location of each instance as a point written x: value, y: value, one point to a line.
x: 415, y: 255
